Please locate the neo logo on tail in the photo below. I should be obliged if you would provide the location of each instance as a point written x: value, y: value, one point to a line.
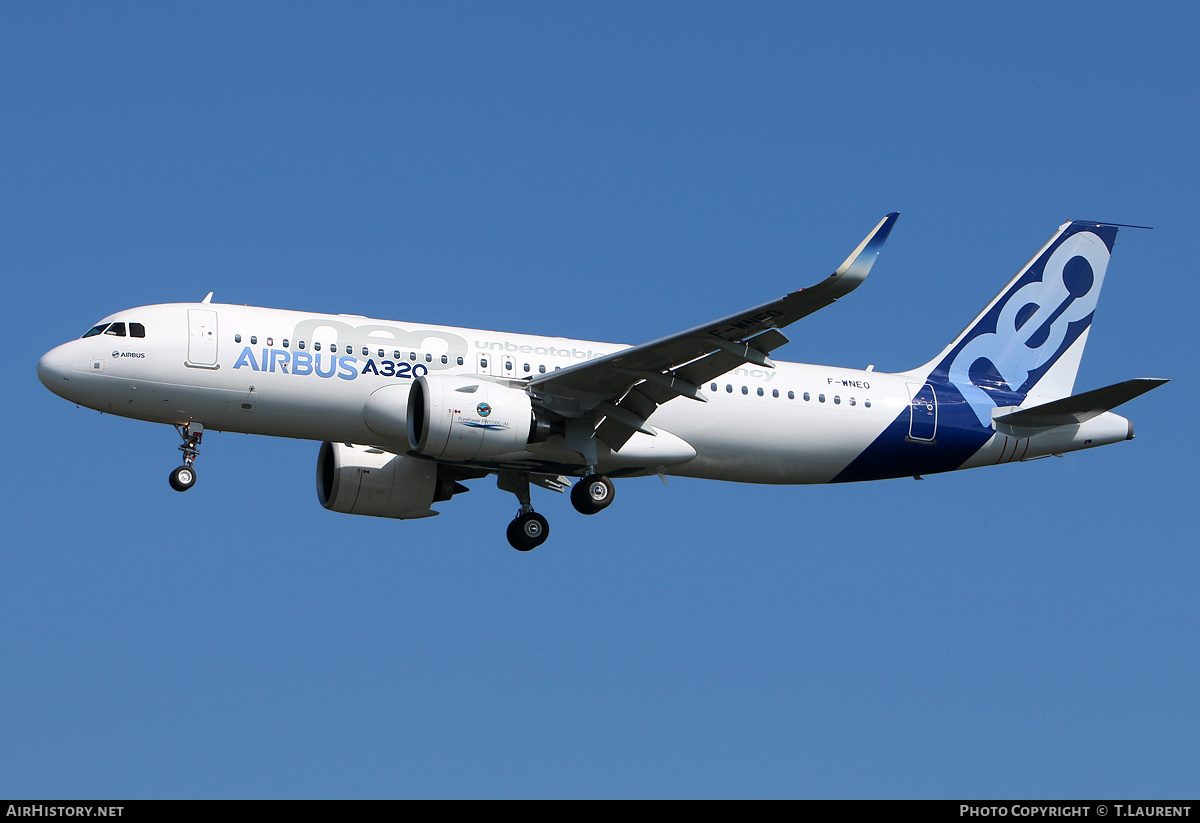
x: 1019, y: 345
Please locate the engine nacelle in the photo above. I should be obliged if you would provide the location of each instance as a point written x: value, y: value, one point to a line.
x: 458, y: 417
x: 363, y: 480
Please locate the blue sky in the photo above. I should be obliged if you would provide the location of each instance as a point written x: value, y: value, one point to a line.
x: 614, y: 172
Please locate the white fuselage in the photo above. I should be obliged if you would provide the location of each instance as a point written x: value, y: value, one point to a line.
x: 309, y: 376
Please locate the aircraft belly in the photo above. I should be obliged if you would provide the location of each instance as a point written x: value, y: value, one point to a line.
x: 641, y: 452
x: 753, y: 441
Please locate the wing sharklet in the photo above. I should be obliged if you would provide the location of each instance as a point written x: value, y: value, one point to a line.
x: 859, y: 263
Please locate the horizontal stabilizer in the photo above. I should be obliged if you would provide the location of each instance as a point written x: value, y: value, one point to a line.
x: 1080, y: 408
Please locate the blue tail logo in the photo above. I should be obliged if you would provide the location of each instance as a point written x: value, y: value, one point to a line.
x: 1025, y: 331
x: 1028, y: 340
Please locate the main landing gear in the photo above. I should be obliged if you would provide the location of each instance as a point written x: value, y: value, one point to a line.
x: 528, y: 530
x: 184, y: 477
x: 592, y: 494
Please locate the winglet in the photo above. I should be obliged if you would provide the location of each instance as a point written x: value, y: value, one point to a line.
x: 859, y: 263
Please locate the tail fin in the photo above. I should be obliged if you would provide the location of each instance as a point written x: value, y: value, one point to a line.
x: 1030, y: 338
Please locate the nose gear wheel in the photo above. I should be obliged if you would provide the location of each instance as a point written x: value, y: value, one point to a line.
x: 183, y: 478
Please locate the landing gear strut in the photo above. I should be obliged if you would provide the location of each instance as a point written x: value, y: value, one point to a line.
x: 592, y: 494
x: 184, y: 477
x: 529, y: 529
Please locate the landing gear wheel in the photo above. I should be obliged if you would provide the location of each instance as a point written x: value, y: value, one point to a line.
x: 183, y: 478
x: 528, y: 531
x: 592, y: 494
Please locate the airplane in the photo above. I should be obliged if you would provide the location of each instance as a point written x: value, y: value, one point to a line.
x: 406, y: 413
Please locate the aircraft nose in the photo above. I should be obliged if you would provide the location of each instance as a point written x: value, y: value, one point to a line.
x: 54, y: 369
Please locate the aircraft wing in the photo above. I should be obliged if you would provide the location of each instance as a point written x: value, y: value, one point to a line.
x: 621, y: 390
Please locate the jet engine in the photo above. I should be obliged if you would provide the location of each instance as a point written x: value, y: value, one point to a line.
x: 362, y: 480
x: 458, y: 417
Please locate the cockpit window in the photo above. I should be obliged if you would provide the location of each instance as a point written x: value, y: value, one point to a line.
x: 95, y: 330
x: 116, y: 329
x: 137, y: 330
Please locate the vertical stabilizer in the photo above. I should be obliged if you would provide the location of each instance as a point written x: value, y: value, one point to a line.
x: 1030, y: 338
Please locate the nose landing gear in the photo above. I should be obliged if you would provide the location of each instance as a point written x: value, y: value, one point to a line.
x: 184, y: 477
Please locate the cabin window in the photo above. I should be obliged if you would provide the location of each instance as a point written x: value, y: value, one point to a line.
x: 852, y: 401
x: 820, y: 398
x: 270, y: 341
x: 836, y: 399
x: 508, y: 365
x: 527, y: 367
x: 867, y: 403
x: 254, y: 340
x: 774, y: 392
x: 285, y: 343
x: 317, y: 345
x: 366, y: 352
x: 333, y: 347
x: 300, y: 345
x: 460, y: 362
x: 729, y: 388
x: 760, y: 392
x: 483, y: 364
x: 412, y: 355
x: 237, y: 338
x: 792, y: 396
x: 137, y: 330
x: 745, y: 390
x: 713, y: 387
x: 116, y: 330
x: 445, y: 360
x: 542, y: 368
